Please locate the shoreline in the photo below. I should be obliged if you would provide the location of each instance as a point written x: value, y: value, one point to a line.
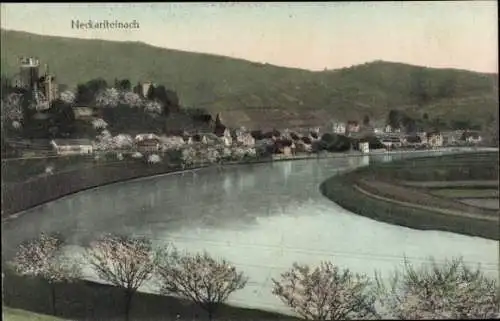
x: 343, y: 190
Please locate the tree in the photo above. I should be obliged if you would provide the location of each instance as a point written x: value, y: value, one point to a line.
x: 126, y: 262
x: 124, y: 85
x: 63, y: 116
x: 366, y: 120
x: 43, y: 257
x: 67, y: 96
x: 6, y: 85
x: 173, y: 101
x: 96, y: 85
x: 131, y: 99
x: 334, y: 142
x: 84, y: 95
x: 409, y: 124
x: 395, y: 118
x: 150, y: 95
x: 109, y: 97
x: 325, y: 293
x: 153, y: 107
x: 168, y: 98
x: 138, y: 90
x: 449, y: 291
x: 199, y: 277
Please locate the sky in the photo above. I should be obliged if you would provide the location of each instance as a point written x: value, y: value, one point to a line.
x: 315, y: 36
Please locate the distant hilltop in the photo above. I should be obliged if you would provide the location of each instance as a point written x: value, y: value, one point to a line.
x: 249, y: 93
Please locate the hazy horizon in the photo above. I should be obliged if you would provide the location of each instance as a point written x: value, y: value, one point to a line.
x: 312, y: 36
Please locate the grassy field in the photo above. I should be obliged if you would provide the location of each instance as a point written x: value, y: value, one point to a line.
x: 342, y: 190
x: 466, y: 193
x: 248, y: 92
x: 419, y: 197
x: 472, y: 184
x: 10, y: 314
x: 448, y: 168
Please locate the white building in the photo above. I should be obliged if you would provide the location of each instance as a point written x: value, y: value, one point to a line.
x: 364, y: 147
x: 227, y: 139
x: 72, y: 146
x: 245, y: 139
x: 435, y: 139
x: 339, y: 128
x: 140, y: 137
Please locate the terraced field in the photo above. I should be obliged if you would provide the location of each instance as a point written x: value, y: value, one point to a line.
x: 457, y: 193
x: 465, y: 193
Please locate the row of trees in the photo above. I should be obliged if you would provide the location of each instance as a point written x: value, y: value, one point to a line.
x: 97, y: 91
x: 325, y: 292
x: 401, y: 120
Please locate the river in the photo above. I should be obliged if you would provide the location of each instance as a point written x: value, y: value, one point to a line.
x: 260, y: 217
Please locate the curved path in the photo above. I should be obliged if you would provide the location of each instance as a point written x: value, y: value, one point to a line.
x: 428, y: 208
x: 261, y: 217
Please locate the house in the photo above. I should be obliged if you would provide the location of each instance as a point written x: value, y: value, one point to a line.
x: 314, y: 136
x: 471, y: 137
x: 391, y: 142
x: 85, y: 113
x: 147, y: 143
x: 72, y: 146
x: 140, y: 137
x: 145, y: 88
x: 352, y: 126
x: 452, y: 137
x: 285, y: 147
x: 245, y: 139
x: 339, y: 128
x: 412, y: 140
x: 187, y: 139
x: 388, y: 129
x: 364, y: 147
x: 302, y: 147
x: 434, y: 139
x: 423, y: 137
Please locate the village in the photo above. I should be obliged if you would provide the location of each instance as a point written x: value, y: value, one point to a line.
x: 214, y: 138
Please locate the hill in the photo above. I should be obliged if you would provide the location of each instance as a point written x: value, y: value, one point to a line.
x: 263, y: 95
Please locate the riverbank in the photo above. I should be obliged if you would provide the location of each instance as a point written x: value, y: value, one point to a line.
x: 21, y: 196
x: 344, y: 191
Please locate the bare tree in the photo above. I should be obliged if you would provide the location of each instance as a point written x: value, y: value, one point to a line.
x: 204, y: 280
x: 126, y: 262
x: 448, y: 291
x: 43, y: 257
x: 325, y: 293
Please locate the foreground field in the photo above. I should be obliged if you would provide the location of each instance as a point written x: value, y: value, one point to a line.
x: 404, y: 193
x: 10, y: 314
x: 98, y: 302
